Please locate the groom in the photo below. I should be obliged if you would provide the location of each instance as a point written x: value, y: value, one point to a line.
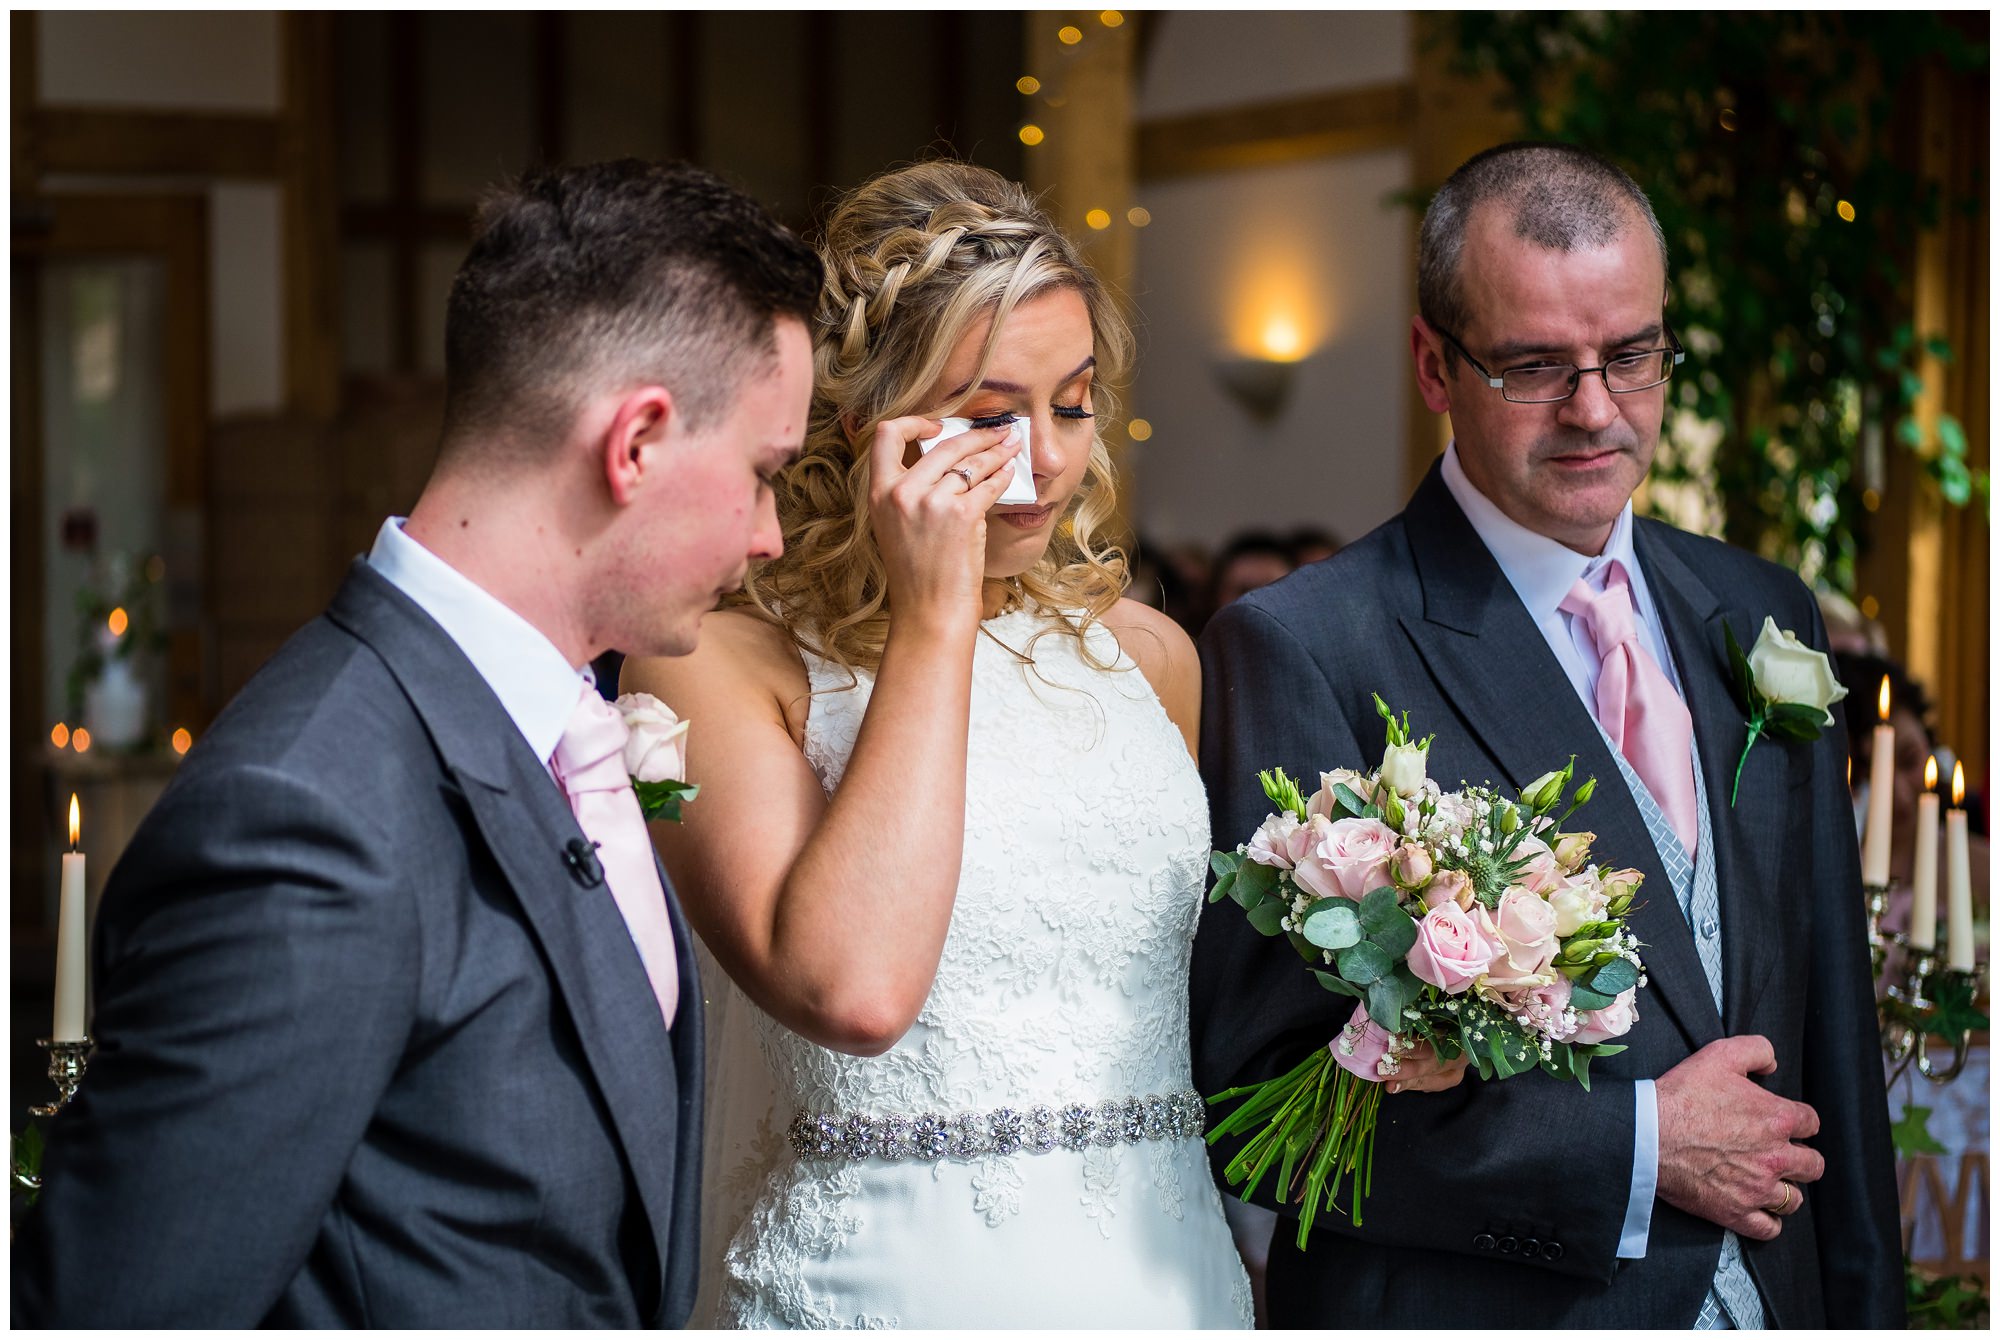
x: 397, y: 1023
x: 1732, y: 1168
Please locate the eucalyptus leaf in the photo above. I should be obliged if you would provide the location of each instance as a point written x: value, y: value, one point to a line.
x: 1614, y: 978
x: 1267, y: 916
x: 1363, y: 963
x: 1224, y: 863
x: 1583, y: 998
x: 1335, y: 984
x: 1333, y: 924
x: 1222, y: 887
x: 1386, y: 1001
x: 1255, y: 879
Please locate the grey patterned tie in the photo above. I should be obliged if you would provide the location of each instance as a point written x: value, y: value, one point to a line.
x: 1732, y: 1296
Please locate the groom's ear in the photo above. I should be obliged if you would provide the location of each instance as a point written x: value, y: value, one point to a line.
x: 634, y: 443
x: 1427, y: 351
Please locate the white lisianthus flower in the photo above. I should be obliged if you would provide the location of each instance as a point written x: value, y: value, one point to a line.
x: 1786, y: 670
x: 656, y: 749
x: 1403, y: 769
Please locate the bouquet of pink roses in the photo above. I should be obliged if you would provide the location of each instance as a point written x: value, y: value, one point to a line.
x: 1465, y: 919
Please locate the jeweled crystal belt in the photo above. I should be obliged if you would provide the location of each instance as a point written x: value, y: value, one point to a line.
x: 1004, y: 1130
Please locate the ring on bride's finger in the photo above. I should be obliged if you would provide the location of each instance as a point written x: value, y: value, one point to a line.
x: 962, y: 473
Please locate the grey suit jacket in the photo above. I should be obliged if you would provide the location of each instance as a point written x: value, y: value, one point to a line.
x: 370, y: 1052
x: 1520, y: 1187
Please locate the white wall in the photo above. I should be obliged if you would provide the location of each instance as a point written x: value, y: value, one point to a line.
x: 1312, y: 242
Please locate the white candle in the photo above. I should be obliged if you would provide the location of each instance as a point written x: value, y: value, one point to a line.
x: 1923, y: 904
x: 1881, y: 797
x: 71, y: 941
x: 1958, y: 874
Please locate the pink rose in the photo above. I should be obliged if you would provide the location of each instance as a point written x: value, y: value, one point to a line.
x: 1449, y: 886
x: 1452, y: 949
x: 1323, y: 802
x: 1348, y: 858
x: 1542, y: 1009
x: 1280, y: 841
x: 1613, y: 1021
x: 1361, y: 1046
x: 1411, y: 866
x: 1542, y: 870
x: 1527, y: 928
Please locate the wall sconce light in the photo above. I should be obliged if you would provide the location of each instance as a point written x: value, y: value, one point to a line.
x: 1259, y: 385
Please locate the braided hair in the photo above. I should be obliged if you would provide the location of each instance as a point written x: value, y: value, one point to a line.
x: 914, y: 259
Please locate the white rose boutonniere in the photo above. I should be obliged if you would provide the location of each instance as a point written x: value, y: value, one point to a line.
x: 1786, y: 685
x: 656, y: 756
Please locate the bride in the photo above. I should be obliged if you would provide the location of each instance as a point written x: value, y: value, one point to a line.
x: 950, y: 842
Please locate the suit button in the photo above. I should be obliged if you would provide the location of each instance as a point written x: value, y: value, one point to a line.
x: 1508, y: 1244
x: 1552, y: 1251
x: 1531, y: 1248
x: 1483, y: 1243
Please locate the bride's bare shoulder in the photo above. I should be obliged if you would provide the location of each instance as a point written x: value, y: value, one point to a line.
x: 739, y: 657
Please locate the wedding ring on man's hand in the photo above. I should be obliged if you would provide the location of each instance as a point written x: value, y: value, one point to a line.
x: 1789, y: 1203
x: 962, y: 473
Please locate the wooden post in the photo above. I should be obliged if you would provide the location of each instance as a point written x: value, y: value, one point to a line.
x: 311, y: 217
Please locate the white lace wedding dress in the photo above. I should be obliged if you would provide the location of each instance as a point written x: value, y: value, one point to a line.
x: 1072, y: 1188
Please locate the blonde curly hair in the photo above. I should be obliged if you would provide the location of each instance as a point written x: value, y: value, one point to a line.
x: 914, y: 259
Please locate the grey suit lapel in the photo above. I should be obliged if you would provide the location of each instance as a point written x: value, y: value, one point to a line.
x: 1490, y: 660
x: 522, y: 816
x: 1745, y: 850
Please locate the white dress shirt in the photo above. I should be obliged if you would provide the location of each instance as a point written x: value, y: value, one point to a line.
x: 1542, y: 571
x: 535, y: 683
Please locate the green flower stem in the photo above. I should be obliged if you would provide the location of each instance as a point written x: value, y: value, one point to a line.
x: 1756, y: 724
x: 1317, y: 1124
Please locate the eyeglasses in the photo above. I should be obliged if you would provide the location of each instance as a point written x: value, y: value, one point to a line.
x: 1542, y: 383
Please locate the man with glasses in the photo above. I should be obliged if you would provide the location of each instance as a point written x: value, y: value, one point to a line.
x: 1731, y: 1168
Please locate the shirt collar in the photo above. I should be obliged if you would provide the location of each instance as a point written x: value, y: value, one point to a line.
x: 536, y: 684
x: 1540, y: 570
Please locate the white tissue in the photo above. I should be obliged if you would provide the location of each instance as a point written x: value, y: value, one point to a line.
x: 1022, y: 488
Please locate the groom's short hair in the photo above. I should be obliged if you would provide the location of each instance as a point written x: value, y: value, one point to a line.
x: 619, y: 274
x: 1557, y: 195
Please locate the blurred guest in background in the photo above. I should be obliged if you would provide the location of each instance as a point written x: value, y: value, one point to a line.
x: 1251, y: 559
x: 1174, y: 582
x: 1309, y: 544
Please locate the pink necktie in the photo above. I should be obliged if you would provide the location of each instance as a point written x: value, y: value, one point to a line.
x: 590, y: 763
x: 1636, y: 704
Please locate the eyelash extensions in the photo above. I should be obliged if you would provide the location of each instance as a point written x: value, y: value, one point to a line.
x: 1076, y: 411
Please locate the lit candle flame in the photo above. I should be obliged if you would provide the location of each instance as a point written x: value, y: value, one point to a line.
x: 1882, y: 700
x: 1958, y: 785
x: 59, y: 737
x: 182, y: 741
x: 118, y: 622
x: 79, y: 740
x: 1930, y: 773
x: 75, y: 820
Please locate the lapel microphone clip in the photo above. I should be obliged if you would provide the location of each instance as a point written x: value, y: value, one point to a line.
x: 580, y: 856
